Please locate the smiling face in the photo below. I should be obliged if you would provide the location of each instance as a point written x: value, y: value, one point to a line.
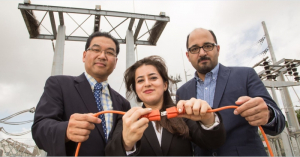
x: 203, y: 61
x: 150, y: 86
x: 99, y: 65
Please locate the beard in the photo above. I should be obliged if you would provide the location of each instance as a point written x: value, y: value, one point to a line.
x: 206, y: 67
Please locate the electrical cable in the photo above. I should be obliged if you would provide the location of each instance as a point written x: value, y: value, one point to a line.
x: 17, y: 134
x: 171, y: 113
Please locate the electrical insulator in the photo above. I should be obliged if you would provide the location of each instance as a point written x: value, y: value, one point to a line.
x: 290, y: 73
x: 267, y: 67
x: 289, y: 69
x: 265, y: 63
x: 297, y: 78
x: 269, y: 77
x: 268, y: 71
x: 295, y: 74
x: 293, y: 65
x: 294, y: 69
x: 274, y: 77
x: 288, y: 65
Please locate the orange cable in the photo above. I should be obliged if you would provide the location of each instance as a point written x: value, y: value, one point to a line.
x: 208, y: 111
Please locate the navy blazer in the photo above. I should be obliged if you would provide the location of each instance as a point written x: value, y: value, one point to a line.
x: 62, y: 97
x: 242, y: 139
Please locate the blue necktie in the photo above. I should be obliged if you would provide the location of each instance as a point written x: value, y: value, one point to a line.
x: 97, y: 94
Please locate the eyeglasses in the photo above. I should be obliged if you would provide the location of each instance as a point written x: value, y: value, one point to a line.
x: 206, y: 47
x: 108, y: 53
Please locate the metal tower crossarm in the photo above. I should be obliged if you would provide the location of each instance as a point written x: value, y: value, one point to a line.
x: 155, y: 32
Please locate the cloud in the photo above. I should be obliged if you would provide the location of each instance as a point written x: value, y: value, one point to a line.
x: 27, y: 63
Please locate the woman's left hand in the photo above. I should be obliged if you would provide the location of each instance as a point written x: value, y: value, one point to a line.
x: 196, y: 110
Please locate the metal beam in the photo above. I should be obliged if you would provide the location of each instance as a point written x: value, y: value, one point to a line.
x: 27, y: 22
x: 93, y: 12
x: 58, y: 58
x: 97, y: 23
x: 131, y: 23
x: 277, y: 63
x: 130, y: 59
x: 78, y: 38
x: 52, y: 20
x: 137, y: 30
x: 277, y: 84
x: 258, y: 63
x: 61, y: 18
x: 156, y: 32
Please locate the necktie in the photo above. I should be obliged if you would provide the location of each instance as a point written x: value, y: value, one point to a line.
x: 97, y: 94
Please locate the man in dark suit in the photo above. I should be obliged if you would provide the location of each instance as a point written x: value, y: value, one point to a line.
x: 61, y: 118
x: 222, y: 86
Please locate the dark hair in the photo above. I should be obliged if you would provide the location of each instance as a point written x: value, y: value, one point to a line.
x: 175, y: 125
x: 211, y: 32
x: 102, y: 34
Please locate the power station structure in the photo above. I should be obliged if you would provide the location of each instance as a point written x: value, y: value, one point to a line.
x: 59, y: 32
x: 288, y: 142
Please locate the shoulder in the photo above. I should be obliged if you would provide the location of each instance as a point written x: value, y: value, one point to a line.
x: 115, y: 93
x: 60, y: 78
x: 237, y: 69
x: 191, y: 82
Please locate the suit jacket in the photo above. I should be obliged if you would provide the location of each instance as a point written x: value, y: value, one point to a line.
x: 171, y: 145
x: 242, y: 139
x: 62, y: 97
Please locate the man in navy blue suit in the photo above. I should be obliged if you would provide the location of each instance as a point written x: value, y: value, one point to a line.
x: 61, y: 119
x: 222, y: 86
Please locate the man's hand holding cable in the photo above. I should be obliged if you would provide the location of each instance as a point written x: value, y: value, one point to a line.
x: 134, y: 126
x: 80, y: 126
x: 255, y: 110
x: 196, y: 109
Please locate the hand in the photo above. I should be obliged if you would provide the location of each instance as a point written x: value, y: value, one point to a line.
x: 255, y: 110
x: 80, y: 126
x: 196, y: 109
x: 133, y: 127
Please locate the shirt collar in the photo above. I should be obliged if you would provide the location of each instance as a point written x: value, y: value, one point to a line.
x: 214, y: 72
x: 93, y: 81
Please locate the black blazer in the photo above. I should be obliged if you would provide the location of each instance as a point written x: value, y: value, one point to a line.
x: 171, y: 145
x: 242, y: 139
x: 62, y: 97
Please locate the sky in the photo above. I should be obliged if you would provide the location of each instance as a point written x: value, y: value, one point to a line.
x: 25, y: 63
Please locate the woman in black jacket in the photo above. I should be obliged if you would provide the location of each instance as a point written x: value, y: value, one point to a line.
x: 148, y: 80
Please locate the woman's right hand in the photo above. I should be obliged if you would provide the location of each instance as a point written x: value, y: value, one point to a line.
x: 133, y: 127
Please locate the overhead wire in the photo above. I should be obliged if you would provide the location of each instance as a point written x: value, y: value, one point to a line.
x: 254, y: 46
x: 14, y: 134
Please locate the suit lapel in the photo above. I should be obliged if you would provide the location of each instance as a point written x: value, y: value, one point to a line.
x: 222, y: 80
x: 84, y: 89
x: 166, y: 141
x: 192, y: 89
x: 152, y: 139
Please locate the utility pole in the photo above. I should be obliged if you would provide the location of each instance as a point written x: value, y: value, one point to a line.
x: 288, y: 102
x: 292, y: 118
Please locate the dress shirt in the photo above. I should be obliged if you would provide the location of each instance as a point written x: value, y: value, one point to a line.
x: 105, y: 101
x: 206, y: 89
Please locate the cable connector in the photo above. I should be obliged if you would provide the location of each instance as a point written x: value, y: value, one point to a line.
x: 154, y: 115
x: 171, y: 112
